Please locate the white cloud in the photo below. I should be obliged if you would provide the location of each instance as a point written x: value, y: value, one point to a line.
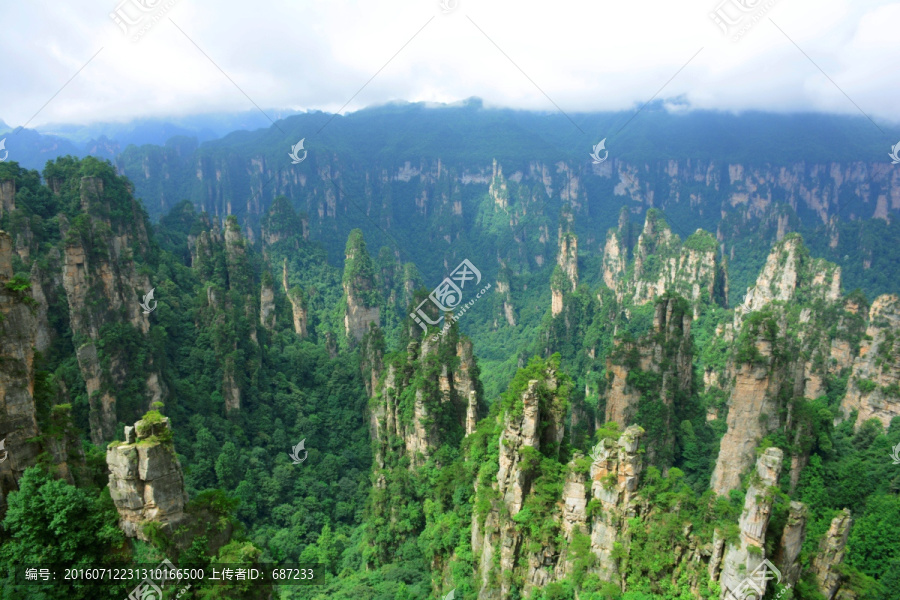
x: 316, y: 54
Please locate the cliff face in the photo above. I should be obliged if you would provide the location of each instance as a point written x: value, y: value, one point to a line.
x: 360, y: 293
x: 104, y: 289
x: 789, y: 333
x: 432, y: 396
x: 221, y: 263
x: 826, y: 565
x: 267, y: 304
x: 530, y: 431
x: 508, y: 309
x: 754, y: 394
x: 662, y: 263
x: 652, y: 373
x: 565, y: 278
x: 18, y: 418
x: 873, y: 386
x: 751, y: 196
x: 467, y: 384
x: 7, y: 196
x: 531, y: 427
x: 790, y: 274
x: 615, y: 473
x: 787, y: 557
x: 145, y: 478
x: 748, y: 552
x: 297, y: 298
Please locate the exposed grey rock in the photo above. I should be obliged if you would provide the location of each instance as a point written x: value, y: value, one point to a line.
x: 145, y: 478
x: 748, y: 553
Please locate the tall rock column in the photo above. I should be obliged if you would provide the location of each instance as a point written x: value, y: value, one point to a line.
x: 615, y: 472
x: 18, y: 335
x: 666, y: 352
x: 742, y: 557
x: 267, y: 302
x: 102, y: 285
x: 877, y: 368
x: 831, y: 554
x: 298, y: 303
x: 532, y: 427
x: 565, y: 276
x: 145, y: 478
x: 360, y: 290
x: 7, y: 196
x: 468, y: 385
x: 788, y: 554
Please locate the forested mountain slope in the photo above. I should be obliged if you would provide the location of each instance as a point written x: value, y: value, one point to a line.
x: 436, y: 185
x: 658, y: 432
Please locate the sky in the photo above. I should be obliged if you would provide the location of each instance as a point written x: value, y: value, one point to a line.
x: 72, y: 63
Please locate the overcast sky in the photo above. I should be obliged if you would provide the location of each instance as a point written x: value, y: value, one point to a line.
x: 316, y: 54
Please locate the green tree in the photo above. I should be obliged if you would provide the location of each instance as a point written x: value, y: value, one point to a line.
x: 49, y: 521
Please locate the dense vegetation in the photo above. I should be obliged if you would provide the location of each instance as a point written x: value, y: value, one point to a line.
x: 410, y: 536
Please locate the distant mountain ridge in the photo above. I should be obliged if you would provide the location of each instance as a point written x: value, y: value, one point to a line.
x: 33, y: 147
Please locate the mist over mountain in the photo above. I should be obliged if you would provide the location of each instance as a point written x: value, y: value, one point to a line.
x: 32, y: 148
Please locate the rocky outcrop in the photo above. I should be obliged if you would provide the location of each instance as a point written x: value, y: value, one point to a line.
x: 615, y: 263
x: 874, y: 386
x: 231, y: 391
x: 145, y: 478
x: 658, y: 366
x: 533, y: 426
x: 359, y: 316
x: 753, y: 394
x: 281, y: 222
x: 662, y: 263
x: 444, y: 407
x: 615, y: 471
x: 748, y: 552
x: 467, y: 384
x: 523, y: 429
x: 297, y: 299
x: 826, y: 564
x: 787, y: 557
x: 267, y: 303
x: 788, y: 270
x: 498, y: 189
x: 102, y: 285
x: 7, y: 196
x: 18, y: 418
x: 360, y: 295
x: 565, y: 277
x: 371, y: 359
x: 504, y: 293
x: 781, y: 323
